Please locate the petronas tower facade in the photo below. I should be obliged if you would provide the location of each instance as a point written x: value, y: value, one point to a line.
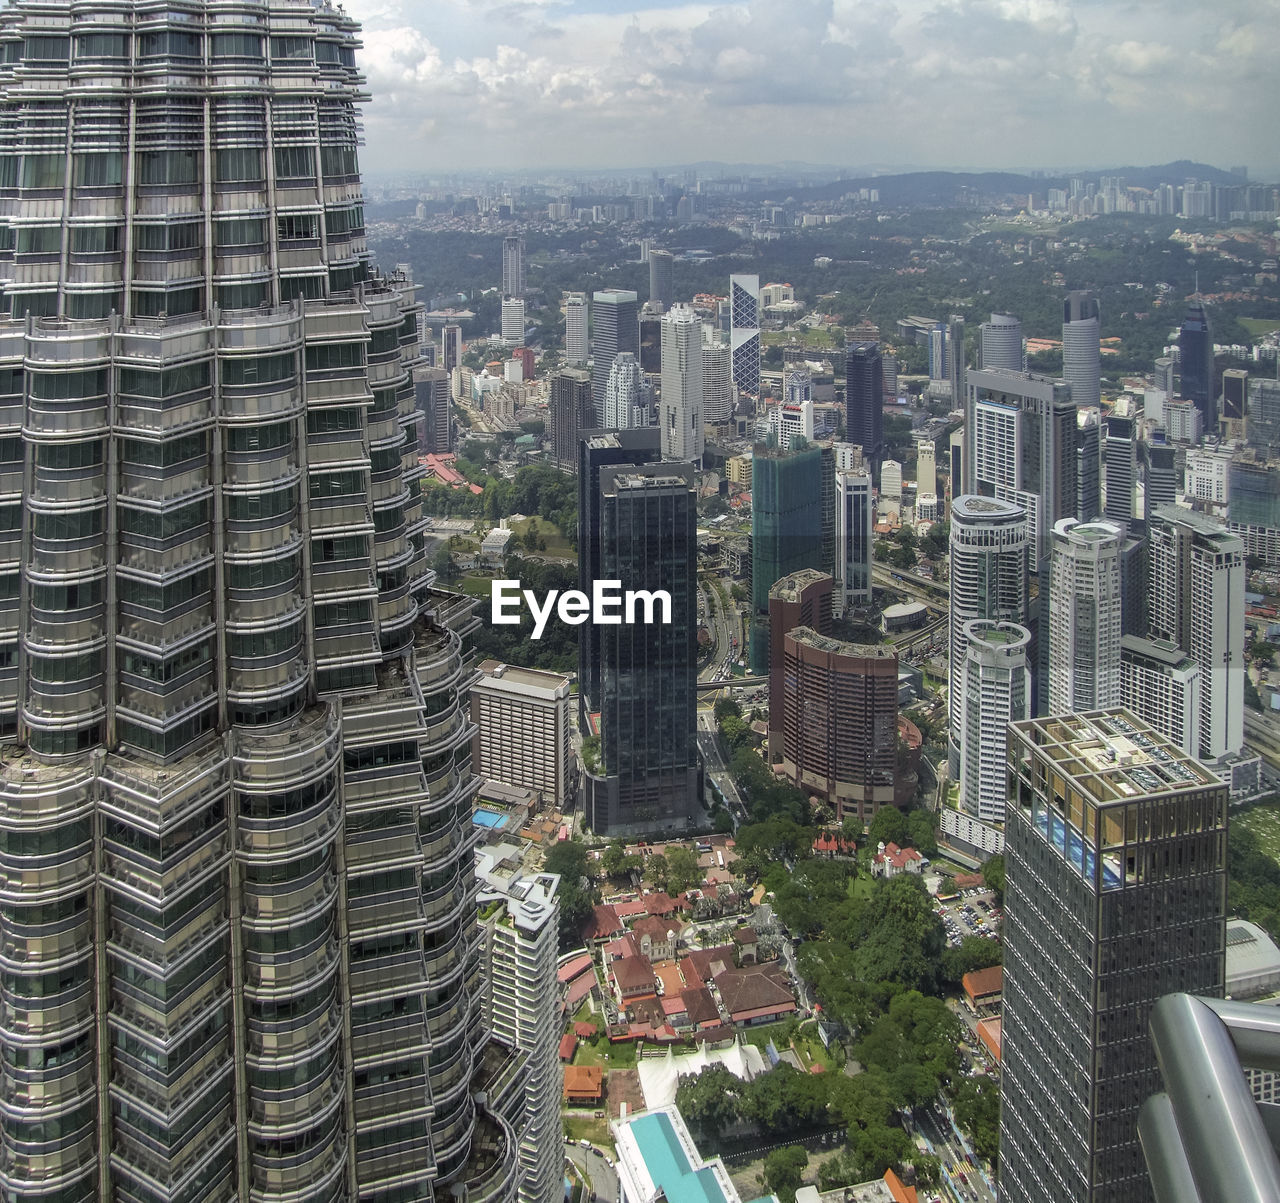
x: 239, y: 957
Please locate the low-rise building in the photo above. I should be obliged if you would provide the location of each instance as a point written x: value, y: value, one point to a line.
x: 659, y: 1163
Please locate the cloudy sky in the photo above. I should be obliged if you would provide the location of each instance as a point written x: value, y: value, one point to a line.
x: 942, y: 83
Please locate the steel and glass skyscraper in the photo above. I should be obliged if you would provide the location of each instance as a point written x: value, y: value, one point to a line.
x: 238, y: 940
x: 744, y: 332
x: 864, y: 402
x: 615, y: 316
x: 1195, y: 364
x: 1082, y: 349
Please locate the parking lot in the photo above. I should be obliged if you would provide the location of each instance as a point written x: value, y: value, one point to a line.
x: 970, y: 913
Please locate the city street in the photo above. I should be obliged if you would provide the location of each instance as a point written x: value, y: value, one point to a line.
x: 595, y: 1169
x: 943, y: 1143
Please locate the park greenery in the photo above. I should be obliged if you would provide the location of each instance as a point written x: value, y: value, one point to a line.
x: 1253, y: 877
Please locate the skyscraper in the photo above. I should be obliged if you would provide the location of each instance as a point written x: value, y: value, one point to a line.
x: 571, y: 413
x: 1084, y: 621
x: 1160, y: 683
x: 431, y: 393
x: 1115, y: 850
x: 864, y: 401
x: 648, y: 777
x: 680, y: 407
x: 839, y: 721
x: 513, y: 266
x: 238, y: 916
x: 989, y: 569
x: 661, y: 289
x: 717, y: 382
x: 956, y: 362
x: 803, y: 599
x: 451, y: 346
x: 598, y: 450
x: 576, y: 347
x: 1195, y: 363
x: 854, y: 535
x: 786, y: 529
x: 1160, y: 475
x: 615, y: 318
x: 1196, y: 586
x: 744, y: 332
x: 1020, y: 445
x: 1088, y: 465
x: 513, y: 321
x: 626, y: 396
x: 1121, y: 486
x: 1082, y: 347
x: 995, y: 690
x: 1002, y: 343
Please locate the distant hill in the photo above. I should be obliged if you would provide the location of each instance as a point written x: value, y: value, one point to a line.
x: 949, y: 187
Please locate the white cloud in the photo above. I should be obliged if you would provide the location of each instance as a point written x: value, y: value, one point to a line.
x: 947, y: 82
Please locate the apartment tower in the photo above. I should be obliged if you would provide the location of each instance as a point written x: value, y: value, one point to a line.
x: 576, y: 347
x: 1115, y: 852
x: 680, y: 406
x: 237, y: 919
x: 1084, y: 623
x: 995, y: 688
x: 513, y: 266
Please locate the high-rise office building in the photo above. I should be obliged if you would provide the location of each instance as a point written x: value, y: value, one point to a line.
x: 521, y: 1005
x: 680, y: 406
x: 1160, y: 475
x: 803, y: 599
x: 431, y: 394
x: 938, y: 353
x: 615, y: 328
x: 786, y: 529
x: 571, y: 413
x: 956, y: 363
x: 576, y: 347
x: 995, y: 690
x: 1084, y: 621
x: 1020, y: 445
x: 864, y: 401
x: 661, y: 288
x: 744, y: 332
x: 1195, y: 365
x: 238, y: 912
x: 648, y: 777
x: 522, y: 730
x: 854, y: 536
x: 1160, y: 683
x: 990, y: 555
x: 926, y: 465
x: 450, y: 347
x: 650, y: 340
x: 1082, y: 348
x: 1196, y: 587
x: 717, y: 379
x: 598, y: 450
x: 1121, y: 458
x: 513, y: 321
x: 626, y: 396
x: 839, y: 721
x: 1115, y: 852
x: 513, y: 266
x: 1088, y: 465
x: 1002, y: 343
x: 1235, y: 393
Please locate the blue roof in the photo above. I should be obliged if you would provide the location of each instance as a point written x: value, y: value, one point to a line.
x: 668, y: 1165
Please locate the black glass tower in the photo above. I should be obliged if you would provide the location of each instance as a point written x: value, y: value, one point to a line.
x: 1195, y: 354
x: 647, y: 778
x: 864, y: 401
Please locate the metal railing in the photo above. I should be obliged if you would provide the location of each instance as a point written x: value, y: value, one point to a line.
x: 1205, y: 1138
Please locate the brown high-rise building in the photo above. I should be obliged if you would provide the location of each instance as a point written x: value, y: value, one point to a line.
x: 572, y: 412
x: 803, y: 599
x: 840, y: 720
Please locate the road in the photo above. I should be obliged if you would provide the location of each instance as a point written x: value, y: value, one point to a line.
x: 716, y: 768
x: 725, y: 625
x: 595, y: 1169
x: 1263, y: 736
x: 944, y: 1143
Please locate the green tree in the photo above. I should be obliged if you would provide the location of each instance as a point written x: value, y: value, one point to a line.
x: 614, y: 859
x: 972, y: 953
x: 736, y: 732
x: 785, y: 1099
x: 710, y: 1101
x: 897, y: 936
x: 725, y: 707
x: 657, y: 870
x: 889, y: 826
x: 682, y: 869
x: 1262, y: 651
x: 577, y: 893
x: 784, y: 1171
x: 922, y: 832
x: 993, y: 875
x: 977, y: 1107
x: 446, y: 567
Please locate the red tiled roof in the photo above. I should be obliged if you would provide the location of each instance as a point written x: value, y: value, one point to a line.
x: 632, y: 974
x: 672, y: 1005
x: 745, y: 935
x: 579, y: 988
x: 604, y: 922
x: 583, y: 1082
x: 983, y: 983
x: 570, y: 969
x: 703, y: 962
x: 655, y: 928
x: 568, y: 1046
x: 700, y: 1006
x: 584, y: 1031
x: 751, y: 993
